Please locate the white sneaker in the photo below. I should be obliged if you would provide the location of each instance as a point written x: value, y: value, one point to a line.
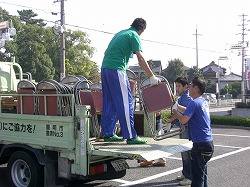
x: 180, y: 178
x: 185, y: 182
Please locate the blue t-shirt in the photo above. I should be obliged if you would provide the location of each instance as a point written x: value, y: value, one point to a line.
x: 183, y: 100
x: 199, y: 122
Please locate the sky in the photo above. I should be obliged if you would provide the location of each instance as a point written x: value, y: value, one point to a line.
x: 171, y: 26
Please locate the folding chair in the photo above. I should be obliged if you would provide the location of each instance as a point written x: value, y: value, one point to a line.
x: 156, y: 98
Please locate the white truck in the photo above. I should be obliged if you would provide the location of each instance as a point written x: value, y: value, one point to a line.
x: 10, y: 74
x: 41, y: 149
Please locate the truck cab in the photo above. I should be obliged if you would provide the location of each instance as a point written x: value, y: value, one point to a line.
x: 10, y: 74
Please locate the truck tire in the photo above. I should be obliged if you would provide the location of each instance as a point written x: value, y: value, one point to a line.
x: 23, y: 170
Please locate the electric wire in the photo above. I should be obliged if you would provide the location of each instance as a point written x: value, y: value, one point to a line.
x: 106, y: 32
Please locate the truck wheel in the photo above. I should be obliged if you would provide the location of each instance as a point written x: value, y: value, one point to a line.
x: 23, y: 170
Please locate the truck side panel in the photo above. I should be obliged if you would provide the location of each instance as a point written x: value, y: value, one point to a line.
x: 50, y: 132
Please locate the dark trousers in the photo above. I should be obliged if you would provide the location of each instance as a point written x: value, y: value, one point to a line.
x: 200, y: 154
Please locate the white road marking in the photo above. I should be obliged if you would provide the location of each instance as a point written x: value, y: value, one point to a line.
x: 231, y: 135
x: 153, y: 177
x: 128, y: 183
x: 175, y: 158
x: 228, y: 146
x: 230, y: 153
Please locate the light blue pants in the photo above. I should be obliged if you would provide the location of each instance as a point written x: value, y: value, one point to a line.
x: 117, y: 104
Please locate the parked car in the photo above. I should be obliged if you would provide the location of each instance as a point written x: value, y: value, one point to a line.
x: 211, y: 97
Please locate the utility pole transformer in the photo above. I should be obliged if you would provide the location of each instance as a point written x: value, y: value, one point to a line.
x: 62, y: 47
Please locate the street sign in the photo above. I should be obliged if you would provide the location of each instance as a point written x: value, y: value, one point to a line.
x: 4, y: 25
x: 223, y: 58
x: 236, y: 46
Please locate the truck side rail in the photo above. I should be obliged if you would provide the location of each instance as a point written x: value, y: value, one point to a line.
x: 23, y: 97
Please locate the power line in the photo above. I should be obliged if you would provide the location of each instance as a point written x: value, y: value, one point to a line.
x: 25, y: 7
x: 106, y: 32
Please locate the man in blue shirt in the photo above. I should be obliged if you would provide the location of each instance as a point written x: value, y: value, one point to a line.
x: 198, y: 118
x: 116, y: 92
x: 181, y: 84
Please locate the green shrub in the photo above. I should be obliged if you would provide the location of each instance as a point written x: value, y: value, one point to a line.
x: 230, y: 120
x: 165, y: 115
x: 219, y: 120
x: 242, y: 105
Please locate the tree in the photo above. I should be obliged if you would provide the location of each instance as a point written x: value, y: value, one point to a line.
x: 193, y: 72
x: 79, y: 53
x: 32, y: 54
x: 174, y: 69
x: 28, y: 16
x: 236, y: 89
x: 37, y: 49
x: 226, y: 90
x: 210, y: 88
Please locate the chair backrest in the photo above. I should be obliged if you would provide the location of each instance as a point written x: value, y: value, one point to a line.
x: 70, y: 80
x: 97, y: 99
x: 157, y: 97
x: 87, y: 99
x: 96, y: 90
x: 26, y: 102
x: 48, y: 104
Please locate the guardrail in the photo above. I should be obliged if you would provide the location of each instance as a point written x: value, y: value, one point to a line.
x: 224, y: 102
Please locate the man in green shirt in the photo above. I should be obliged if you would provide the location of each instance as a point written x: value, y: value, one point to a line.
x: 117, y: 97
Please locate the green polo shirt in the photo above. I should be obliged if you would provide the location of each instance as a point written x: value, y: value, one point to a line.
x: 120, y: 48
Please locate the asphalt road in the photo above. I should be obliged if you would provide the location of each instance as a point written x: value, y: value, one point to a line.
x: 220, y: 111
x: 229, y: 166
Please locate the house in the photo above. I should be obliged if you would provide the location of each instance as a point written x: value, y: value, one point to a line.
x: 214, y: 72
x: 229, y: 79
x: 155, y: 65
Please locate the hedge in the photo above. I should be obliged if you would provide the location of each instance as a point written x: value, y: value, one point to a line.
x: 220, y: 120
x: 242, y: 105
x: 230, y: 120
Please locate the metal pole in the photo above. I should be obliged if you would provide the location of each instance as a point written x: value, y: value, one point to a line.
x: 62, y: 68
x: 243, y: 73
x: 196, y: 39
x: 196, y: 49
x: 219, y: 79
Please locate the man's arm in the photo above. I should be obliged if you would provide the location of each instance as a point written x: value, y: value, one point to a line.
x: 171, y: 120
x: 144, y: 64
x: 181, y: 108
x: 182, y: 118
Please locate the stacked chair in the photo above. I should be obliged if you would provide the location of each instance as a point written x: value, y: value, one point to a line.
x: 54, y: 101
x: 26, y: 101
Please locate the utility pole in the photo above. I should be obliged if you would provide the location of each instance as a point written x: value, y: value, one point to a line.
x: 196, y: 37
x: 243, y: 73
x: 62, y: 47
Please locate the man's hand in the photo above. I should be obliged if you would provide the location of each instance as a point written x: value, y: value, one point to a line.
x: 175, y: 106
x: 154, y: 80
x: 169, y: 121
